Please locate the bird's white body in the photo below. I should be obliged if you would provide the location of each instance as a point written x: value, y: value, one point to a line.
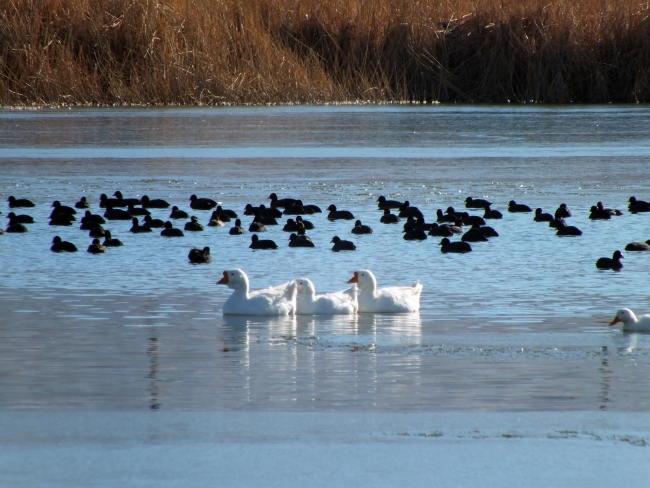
x: 273, y: 301
x: 631, y: 322
x: 397, y: 299
x: 340, y: 302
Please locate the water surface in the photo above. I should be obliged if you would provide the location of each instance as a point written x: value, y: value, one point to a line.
x: 520, y: 323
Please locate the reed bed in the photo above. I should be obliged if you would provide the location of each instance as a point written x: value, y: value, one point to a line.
x: 107, y: 52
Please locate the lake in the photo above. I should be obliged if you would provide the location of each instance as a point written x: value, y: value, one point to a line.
x: 521, y: 323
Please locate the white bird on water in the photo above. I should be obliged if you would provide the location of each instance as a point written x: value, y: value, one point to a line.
x: 630, y: 321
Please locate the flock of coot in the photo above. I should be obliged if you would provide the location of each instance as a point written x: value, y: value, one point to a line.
x: 448, y: 223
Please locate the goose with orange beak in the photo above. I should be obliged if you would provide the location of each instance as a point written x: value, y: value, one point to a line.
x: 631, y: 322
x: 397, y: 299
x: 273, y: 301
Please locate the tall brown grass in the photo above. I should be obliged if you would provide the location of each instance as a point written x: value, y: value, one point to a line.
x: 282, y: 51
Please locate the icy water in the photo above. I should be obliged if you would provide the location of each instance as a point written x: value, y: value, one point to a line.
x: 518, y: 324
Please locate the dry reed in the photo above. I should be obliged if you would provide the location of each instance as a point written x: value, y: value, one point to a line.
x: 55, y: 52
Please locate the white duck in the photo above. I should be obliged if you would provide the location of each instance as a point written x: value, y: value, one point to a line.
x: 630, y: 321
x: 398, y: 299
x: 340, y: 302
x: 277, y: 300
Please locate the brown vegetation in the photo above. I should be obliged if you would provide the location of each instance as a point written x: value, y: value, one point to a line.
x: 313, y: 51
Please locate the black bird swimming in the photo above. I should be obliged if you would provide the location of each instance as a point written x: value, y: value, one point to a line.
x: 488, y: 231
x: 19, y: 202
x: 557, y: 223
x: 96, y: 247
x: 90, y: 217
x: 250, y: 210
x: 492, y: 214
x: 62, y: 220
x: 193, y: 225
x: 62, y: 215
x: 169, y: 231
x: 474, y: 235
x: 611, y: 263
x: 265, y: 220
x: 451, y: 211
x: 197, y: 203
x: 117, y: 214
x: 225, y: 213
x: 518, y: 207
x: 153, y: 223
x: 125, y: 202
x: 637, y: 206
x: 215, y: 221
x: 256, y: 225
x: 311, y: 208
x: 137, y: 211
x: 176, y: 213
x: 97, y: 231
x: 270, y: 212
x: 454, y: 247
x: 335, y: 214
x: 541, y: 216
x: 82, y: 203
x: 638, y: 246
x: 389, y: 218
x: 468, y: 219
x: 445, y: 217
x: 105, y: 202
x: 136, y: 228
x: 567, y: 230
x: 155, y: 203
x: 341, y: 245
x: 613, y: 211
x: 596, y: 214
x: 300, y: 241
x: 476, y: 203
x: 305, y: 223
x: 297, y: 209
x: 21, y: 219
x: 290, y: 226
x: 62, y: 209
x: 109, y: 241
x: 257, y: 243
x: 16, y: 227
x: 62, y: 246
x: 562, y: 212
x: 418, y: 223
x: 359, y: 228
x: 382, y: 203
x: 411, y: 234
x: 457, y: 228
x: 237, y: 229
x: 88, y: 225
x: 440, y: 230
x: 199, y: 256
x: 406, y: 210
x: 281, y: 203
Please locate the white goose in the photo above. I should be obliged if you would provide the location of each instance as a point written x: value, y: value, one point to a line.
x: 277, y: 300
x: 402, y: 299
x: 630, y: 321
x: 340, y: 302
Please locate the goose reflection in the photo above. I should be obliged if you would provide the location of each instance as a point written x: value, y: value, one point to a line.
x: 628, y: 342
x: 152, y: 352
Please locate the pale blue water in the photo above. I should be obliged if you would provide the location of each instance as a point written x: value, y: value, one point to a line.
x: 520, y: 323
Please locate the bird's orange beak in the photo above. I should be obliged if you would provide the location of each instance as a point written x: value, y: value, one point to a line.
x: 355, y: 278
x: 615, y: 321
x: 224, y: 280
